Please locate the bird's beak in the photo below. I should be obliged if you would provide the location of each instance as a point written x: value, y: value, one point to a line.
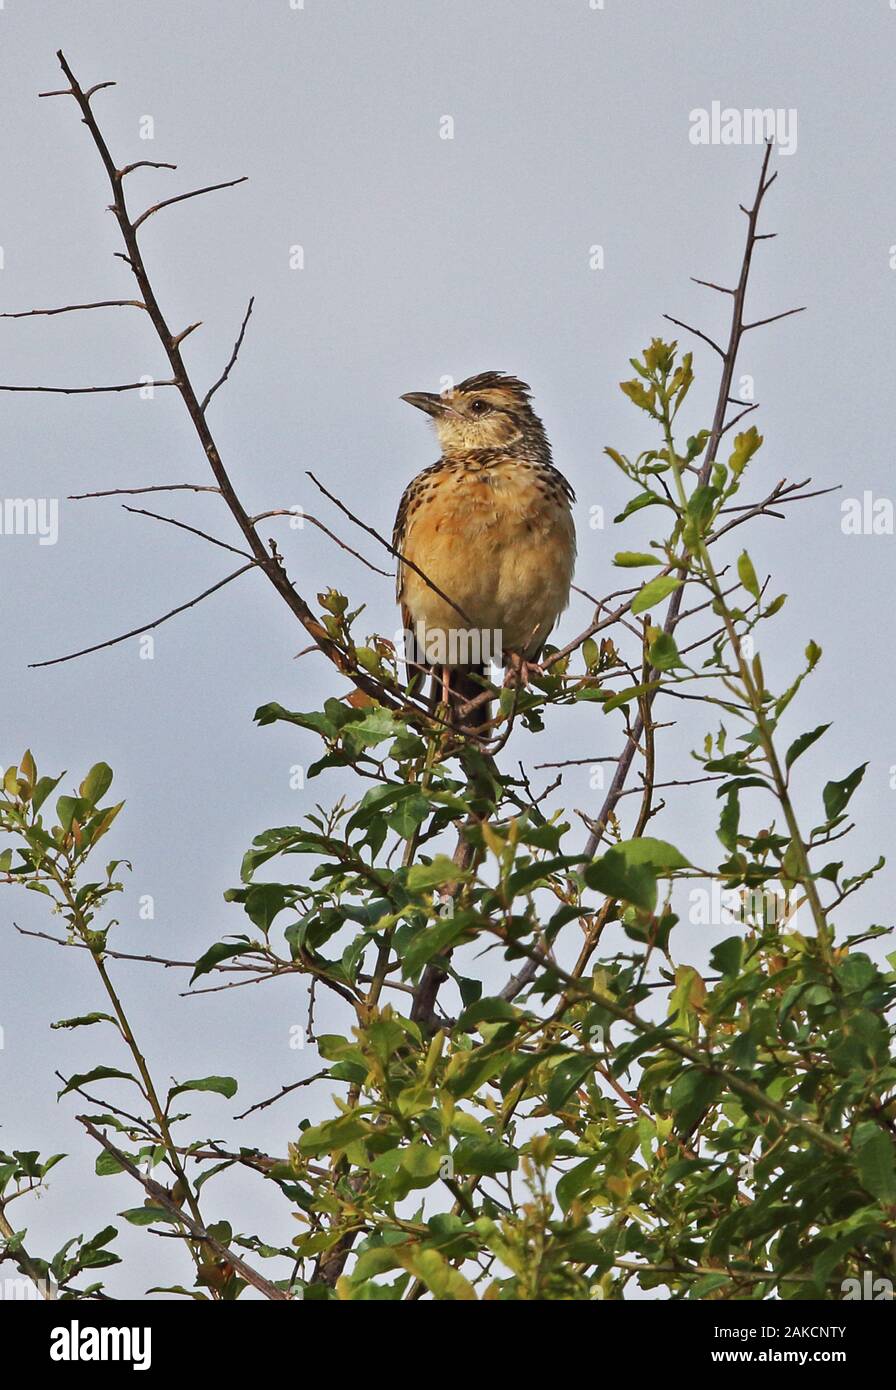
x: 426, y: 401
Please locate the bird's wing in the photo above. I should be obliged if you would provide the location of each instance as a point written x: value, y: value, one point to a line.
x: 409, y: 500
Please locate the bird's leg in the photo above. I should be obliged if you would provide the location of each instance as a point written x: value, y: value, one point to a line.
x: 435, y: 686
x: 446, y: 687
x: 520, y: 669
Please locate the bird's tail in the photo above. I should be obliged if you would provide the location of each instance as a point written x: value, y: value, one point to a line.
x: 465, y: 685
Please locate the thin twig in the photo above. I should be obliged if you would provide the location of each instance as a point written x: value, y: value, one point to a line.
x: 182, y: 197
x: 137, y: 491
x: 137, y: 631
x: 306, y: 516
x: 284, y: 1091
x: 88, y: 390
x: 230, y: 365
x: 72, y: 308
x: 172, y: 521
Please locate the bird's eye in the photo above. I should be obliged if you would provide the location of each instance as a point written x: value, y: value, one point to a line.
x: 479, y: 407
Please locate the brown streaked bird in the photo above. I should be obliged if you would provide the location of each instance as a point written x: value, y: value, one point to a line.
x: 490, y: 526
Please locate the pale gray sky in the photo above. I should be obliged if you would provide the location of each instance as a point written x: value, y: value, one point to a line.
x: 423, y: 256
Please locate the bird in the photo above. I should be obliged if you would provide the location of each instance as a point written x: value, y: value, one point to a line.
x: 486, y: 544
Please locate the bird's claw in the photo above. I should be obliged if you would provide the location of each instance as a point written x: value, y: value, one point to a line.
x: 520, y: 670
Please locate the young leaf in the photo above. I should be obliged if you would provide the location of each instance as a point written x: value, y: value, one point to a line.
x: 804, y: 741
x: 654, y: 592
x: 747, y: 574
x: 837, y: 794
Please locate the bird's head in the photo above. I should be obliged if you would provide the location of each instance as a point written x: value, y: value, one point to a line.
x: 488, y: 411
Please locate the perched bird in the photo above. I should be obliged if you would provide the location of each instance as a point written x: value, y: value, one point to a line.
x: 490, y: 528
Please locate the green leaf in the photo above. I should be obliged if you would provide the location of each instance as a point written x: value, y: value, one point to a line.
x: 375, y: 726
x: 431, y: 941
x: 632, y: 692
x: 264, y: 901
x: 700, y: 506
x: 659, y: 854
x: 729, y: 821
x: 726, y: 957
x: 804, y: 741
x: 631, y: 883
x: 632, y: 559
x: 630, y: 869
x: 107, y: 1164
x: 468, y: 1071
x: 222, y: 950
x: 96, y: 783
x: 83, y: 1021
x: 221, y: 1085
x: 442, y: 870
x: 574, y: 1182
x: 692, y: 1093
x: 566, y: 1078
x: 334, y: 1135
x: 98, y: 1074
x: 654, y: 592
x: 410, y: 812
x: 745, y: 446
x: 637, y: 504
x: 664, y: 653
x: 147, y: 1216
x: 837, y: 794
x: 476, y: 1157
x: 42, y: 790
x: 747, y: 574
x: 874, y: 1154
x: 489, y: 1010
x: 69, y: 808
x: 640, y: 396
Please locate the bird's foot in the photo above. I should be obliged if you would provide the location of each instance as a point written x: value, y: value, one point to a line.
x: 521, y: 669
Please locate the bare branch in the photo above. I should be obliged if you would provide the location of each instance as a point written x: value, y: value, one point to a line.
x: 185, y: 332
x: 136, y: 491
x: 778, y: 497
x: 72, y: 308
x: 722, y: 289
x: 143, y: 164
x: 172, y: 521
x: 306, y: 516
x: 574, y: 762
x: 774, y: 318
x: 731, y: 423
x: 284, y: 1091
x: 182, y: 197
x: 146, y: 627
x: 696, y: 331
x: 88, y: 390
x: 233, y: 356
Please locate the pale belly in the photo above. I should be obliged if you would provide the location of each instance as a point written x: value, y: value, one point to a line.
x: 501, y: 551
